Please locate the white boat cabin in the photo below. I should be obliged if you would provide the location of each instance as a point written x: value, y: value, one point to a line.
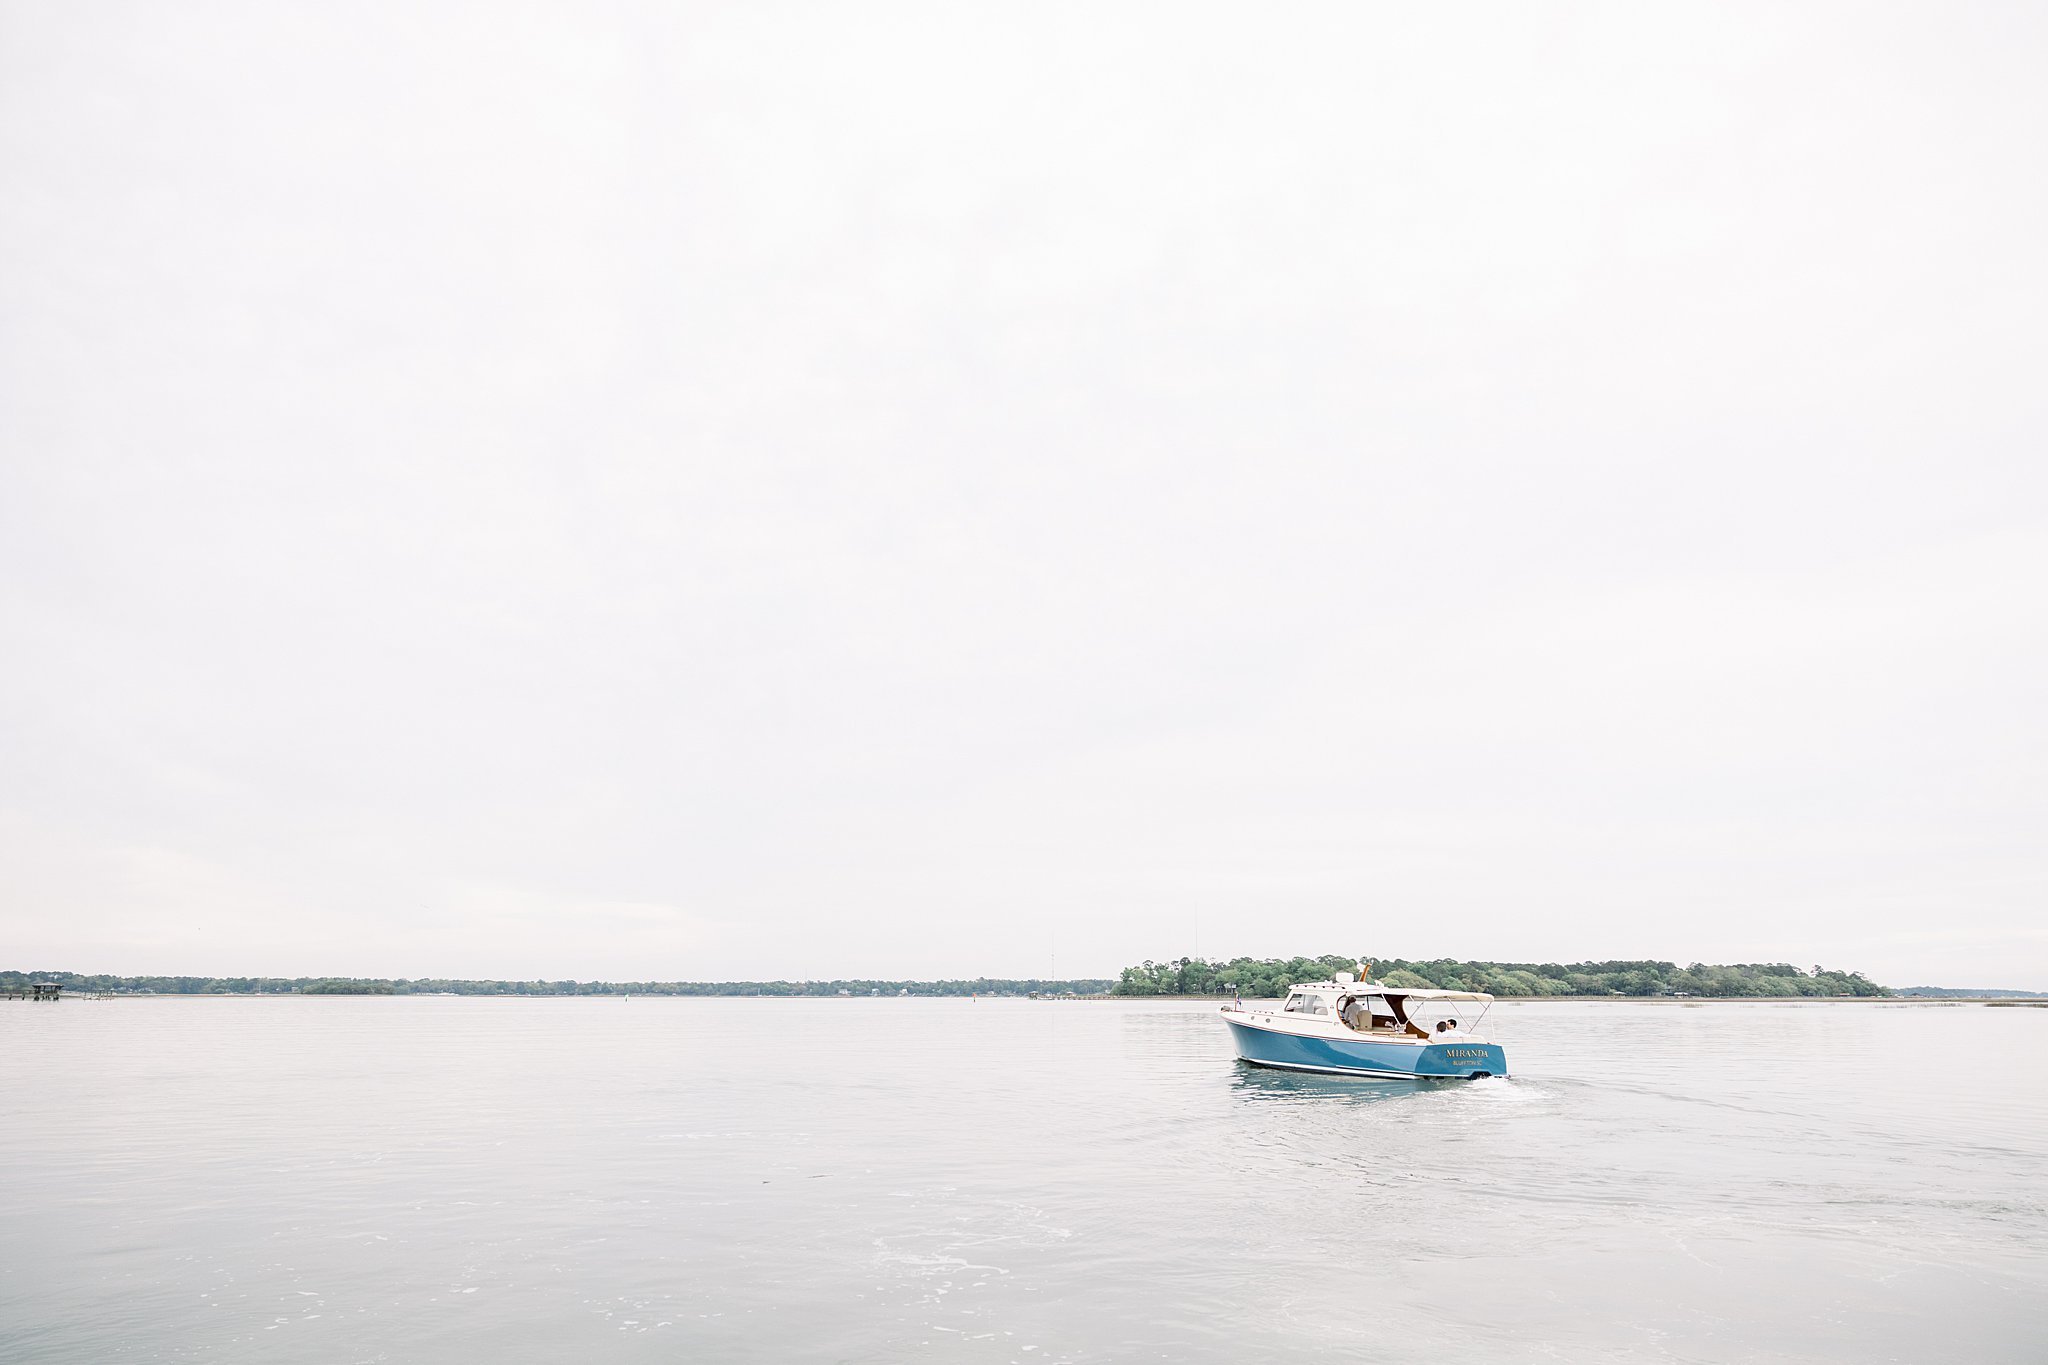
x: 1387, y: 1011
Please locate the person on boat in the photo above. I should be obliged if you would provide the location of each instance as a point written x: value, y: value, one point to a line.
x: 1446, y: 1031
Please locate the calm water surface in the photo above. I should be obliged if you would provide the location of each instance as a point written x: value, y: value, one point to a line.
x: 339, y: 1180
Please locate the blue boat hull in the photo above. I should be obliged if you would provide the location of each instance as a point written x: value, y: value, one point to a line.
x: 1363, y: 1057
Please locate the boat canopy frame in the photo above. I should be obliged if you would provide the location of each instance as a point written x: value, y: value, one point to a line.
x: 1397, y: 997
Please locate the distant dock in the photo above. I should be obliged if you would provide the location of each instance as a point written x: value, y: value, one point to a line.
x: 50, y: 991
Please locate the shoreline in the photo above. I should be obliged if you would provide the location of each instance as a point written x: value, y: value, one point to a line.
x: 1688, y: 1000
x: 2020, y: 1001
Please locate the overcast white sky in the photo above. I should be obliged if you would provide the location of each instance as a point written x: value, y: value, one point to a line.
x: 704, y: 491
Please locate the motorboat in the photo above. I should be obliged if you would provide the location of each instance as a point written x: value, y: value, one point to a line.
x: 1349, y: 1026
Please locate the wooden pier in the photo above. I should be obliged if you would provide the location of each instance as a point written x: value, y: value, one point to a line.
x: 50, y: 991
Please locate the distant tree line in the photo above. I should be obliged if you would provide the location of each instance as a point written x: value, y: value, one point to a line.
x: 1256, y: 977
x: 1267, y: 977
x: 329, y: 985
x: 1967, y: 993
